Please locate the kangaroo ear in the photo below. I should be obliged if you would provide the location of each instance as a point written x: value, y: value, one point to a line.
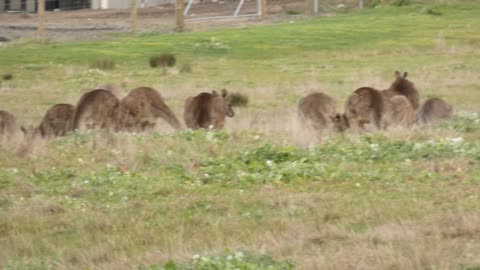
x: 24, y: 130
x: 224, y: 92
x: 214, y: 92
x: 397, y: 74
x: 405, y: 74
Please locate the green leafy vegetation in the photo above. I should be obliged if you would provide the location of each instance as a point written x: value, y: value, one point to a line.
x: 231, y: 261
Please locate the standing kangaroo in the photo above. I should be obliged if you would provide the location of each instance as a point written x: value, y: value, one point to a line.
x: 207, y: 110
x: 402, y: 86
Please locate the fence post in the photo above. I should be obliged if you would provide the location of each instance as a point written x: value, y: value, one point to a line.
x: 360, y: 4
x: 133, y: 15
x: 41, y: 19
x: 315, y: 7
x: 263, y: 6
x: 180, y: 20
x: 308, y: 7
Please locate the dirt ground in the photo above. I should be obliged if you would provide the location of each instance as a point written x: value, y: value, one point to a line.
x: 90, y: 24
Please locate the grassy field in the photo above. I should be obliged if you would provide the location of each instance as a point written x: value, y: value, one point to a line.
x: 260, y: 194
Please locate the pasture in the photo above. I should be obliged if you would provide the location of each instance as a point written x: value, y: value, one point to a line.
x: 260, y: 194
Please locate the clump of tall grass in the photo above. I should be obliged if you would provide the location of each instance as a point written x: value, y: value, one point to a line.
x: 7, y: 77
x: 239, y: 100
x: 163, y: 60
x: 103, y: 64
x: 399, y: 3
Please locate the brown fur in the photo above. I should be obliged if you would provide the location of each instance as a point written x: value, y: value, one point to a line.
x: 402, y: 86
x: 432, y: 110
x: 317, y: 110
x: 365, y: 105
x: 8, y: 126
x: 399, y: 113
x: 95, y: 109
x: 140, y: 109
x: 113, y: 88
x: 207, y: 110
x: 57, y: 121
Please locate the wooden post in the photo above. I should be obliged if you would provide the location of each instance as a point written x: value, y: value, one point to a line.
x: 133, y: 15
x: 264, y: 9
x: 180, y: 20
x: 360, y: 4
x: 41, y: 19
x: 308, y: 7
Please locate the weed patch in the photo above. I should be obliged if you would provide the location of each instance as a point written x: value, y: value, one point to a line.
x: 235, y: 260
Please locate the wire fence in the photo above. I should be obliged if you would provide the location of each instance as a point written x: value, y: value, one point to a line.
x: 209, y: 9
x: 86, y: 19
x: 50, y: 5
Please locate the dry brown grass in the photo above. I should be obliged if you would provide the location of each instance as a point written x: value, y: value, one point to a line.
x: 319, y: 237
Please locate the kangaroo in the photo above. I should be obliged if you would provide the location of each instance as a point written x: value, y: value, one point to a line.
x: 8, y: 126
x: 57, y: 121
x: 139, y: 110
x: 433, y: 110
x: 207, y: 110
x: 365, y: 105
x: 399, y: 113
x: 95, y: 109
x: 402, y: 86
x: 317, y: 111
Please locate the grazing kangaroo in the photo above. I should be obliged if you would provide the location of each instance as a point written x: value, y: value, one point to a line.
x: 317, y: 110
x: 8, y: 126
x: 57, y: 121
x: 95, y: 109
x: 402, y: 86
x: 433, y: 110
x: 365, y: 105
x: 139, y: 110
x: 399, y: 112
x: 207, y: 110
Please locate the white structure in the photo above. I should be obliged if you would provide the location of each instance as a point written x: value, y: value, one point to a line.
x: 123, y: 4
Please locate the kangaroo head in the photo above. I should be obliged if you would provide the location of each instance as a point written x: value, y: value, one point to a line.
x: 31, y: 133
x: 340, y: 122
x: 228, y: 103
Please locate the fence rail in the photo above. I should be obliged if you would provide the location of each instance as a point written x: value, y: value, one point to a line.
x: 144, y: 15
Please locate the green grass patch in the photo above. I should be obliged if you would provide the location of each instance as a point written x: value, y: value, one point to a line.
x: 235, y: 260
